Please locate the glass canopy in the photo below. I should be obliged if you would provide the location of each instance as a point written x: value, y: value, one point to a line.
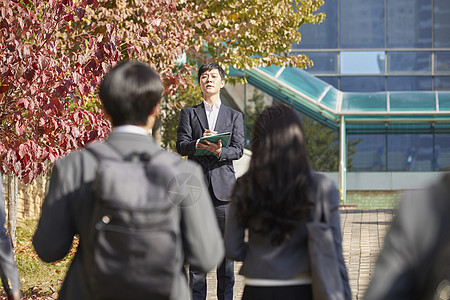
x: 326, y: 104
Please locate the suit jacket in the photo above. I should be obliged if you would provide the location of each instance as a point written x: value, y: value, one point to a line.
x: 419, y: 234
x: 8, y: 268
x: 261, y: 259
x: 68, y: 205
x: 219, y: 171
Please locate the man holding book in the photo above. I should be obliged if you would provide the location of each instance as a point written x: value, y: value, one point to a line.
x: 197, y: 124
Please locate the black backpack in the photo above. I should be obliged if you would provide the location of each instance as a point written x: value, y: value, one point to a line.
x: 134, y: 243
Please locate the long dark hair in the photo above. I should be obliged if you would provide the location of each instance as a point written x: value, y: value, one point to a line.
x: 273, y: 189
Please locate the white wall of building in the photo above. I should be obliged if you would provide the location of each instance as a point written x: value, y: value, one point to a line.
x: 366, y: 181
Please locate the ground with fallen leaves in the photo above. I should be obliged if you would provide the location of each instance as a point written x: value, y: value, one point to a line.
x: 39, y: 280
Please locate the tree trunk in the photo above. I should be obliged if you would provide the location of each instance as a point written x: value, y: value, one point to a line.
x: 13, y: 191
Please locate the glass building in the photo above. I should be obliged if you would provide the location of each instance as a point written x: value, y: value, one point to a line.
x: 369, y: 49
x: 381, y: 45
x: 380, y: 84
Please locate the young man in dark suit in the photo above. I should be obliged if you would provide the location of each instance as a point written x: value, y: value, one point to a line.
x: 208, y: 118
x: 131, y: 94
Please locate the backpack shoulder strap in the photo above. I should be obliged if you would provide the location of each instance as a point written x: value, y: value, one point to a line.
x: 103, y: 150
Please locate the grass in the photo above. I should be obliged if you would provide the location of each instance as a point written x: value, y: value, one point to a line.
x: 39, y: 280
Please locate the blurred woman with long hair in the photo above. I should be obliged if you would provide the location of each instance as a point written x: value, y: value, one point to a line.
x: 273, y: 201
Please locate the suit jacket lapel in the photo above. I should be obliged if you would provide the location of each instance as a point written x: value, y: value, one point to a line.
x: 221, y: 118
x: 201, y: 115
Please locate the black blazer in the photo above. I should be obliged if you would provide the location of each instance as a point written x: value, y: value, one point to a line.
x: 219, y: 171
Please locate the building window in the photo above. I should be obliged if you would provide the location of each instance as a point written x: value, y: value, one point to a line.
x: 442, y: 146
x: 362, y: 84
x: 409, y: 83
x: 324, y: 62
x: 362, y: 62
x: 442, y: 62
x: 410, y: 152
x: 442, y: 83
x: 333, y: 80
x: 323, y: 35
x: 409, y: 24
x: 408, y: 62
x: 370, y: 154
x: 441, y: 23
x: 362, y: 24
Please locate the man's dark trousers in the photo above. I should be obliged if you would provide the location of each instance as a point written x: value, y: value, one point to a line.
x: 225, y: 271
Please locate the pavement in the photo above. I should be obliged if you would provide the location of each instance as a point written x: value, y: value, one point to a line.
x: 363, y: 236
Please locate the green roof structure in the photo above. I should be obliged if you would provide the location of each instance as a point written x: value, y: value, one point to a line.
x: 326, y: 104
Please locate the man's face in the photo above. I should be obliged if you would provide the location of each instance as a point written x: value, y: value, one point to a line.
x: 211, y: 82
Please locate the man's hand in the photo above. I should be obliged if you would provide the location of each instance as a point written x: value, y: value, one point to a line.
x: 211, y: 147
x: 209, y: 132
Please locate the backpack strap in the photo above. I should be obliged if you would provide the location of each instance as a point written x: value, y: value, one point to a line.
x: 104, y: 150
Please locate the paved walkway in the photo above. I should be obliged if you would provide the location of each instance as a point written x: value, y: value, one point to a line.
x: 363, y: 235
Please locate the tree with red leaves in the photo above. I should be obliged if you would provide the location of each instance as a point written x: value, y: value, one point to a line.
x: 47, y: 105
x: 47, y: 83
x: 54, y: 53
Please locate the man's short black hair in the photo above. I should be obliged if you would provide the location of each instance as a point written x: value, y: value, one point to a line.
x: 129, y: 92
x: 208, y: 67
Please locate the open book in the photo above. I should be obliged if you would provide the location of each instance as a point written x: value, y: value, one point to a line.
x: 224, y: 137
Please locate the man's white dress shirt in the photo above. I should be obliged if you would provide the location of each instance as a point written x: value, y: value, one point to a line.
x: 212, y: 112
